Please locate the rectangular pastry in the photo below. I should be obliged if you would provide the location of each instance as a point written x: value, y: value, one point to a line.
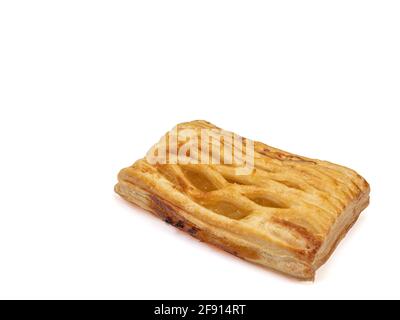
x: 262, y: 204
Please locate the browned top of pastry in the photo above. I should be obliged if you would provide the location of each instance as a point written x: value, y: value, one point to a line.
x: 287, y: 202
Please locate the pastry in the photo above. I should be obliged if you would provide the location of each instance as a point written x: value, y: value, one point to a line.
x: 276, y: 209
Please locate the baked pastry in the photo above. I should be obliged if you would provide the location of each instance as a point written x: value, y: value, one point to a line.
x: 286, y: 212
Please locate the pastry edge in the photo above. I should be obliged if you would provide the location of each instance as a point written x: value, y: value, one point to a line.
x: 342, y: 226
x: 239, y: 247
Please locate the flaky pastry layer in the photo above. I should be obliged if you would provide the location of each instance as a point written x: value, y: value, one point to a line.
x: 289, y: 213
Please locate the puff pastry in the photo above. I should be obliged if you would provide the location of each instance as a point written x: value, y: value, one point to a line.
x: 288, y: 214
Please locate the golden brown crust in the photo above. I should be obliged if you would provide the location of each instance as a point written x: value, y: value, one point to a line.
x: 289, y: 214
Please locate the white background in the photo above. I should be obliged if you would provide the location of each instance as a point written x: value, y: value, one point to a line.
x: 86, y: 87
